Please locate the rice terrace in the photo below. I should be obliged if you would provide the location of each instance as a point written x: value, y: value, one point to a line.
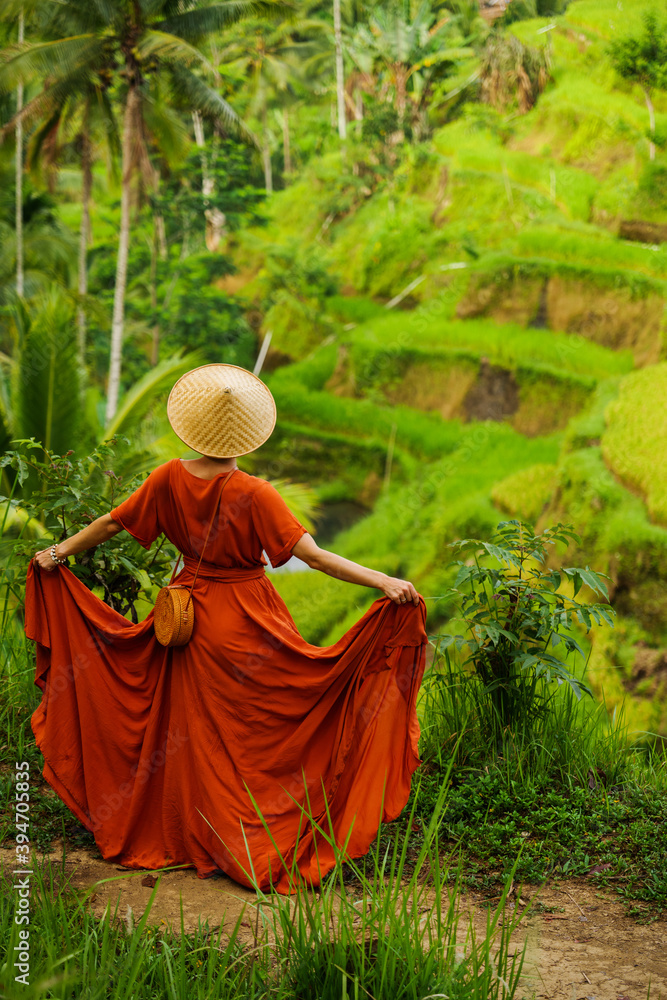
x: 333, y: 493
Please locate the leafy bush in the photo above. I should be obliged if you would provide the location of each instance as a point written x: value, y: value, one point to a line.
x: 69, y: 494
x: 514, y: 613
x: 235, y: 187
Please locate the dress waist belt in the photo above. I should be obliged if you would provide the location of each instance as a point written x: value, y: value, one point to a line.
x: 223, y: 574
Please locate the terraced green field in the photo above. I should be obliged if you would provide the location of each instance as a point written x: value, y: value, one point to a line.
x: 521, y: 373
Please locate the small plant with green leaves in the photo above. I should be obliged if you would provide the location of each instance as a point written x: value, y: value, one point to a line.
x: 62, y: 494
x: 517, y: 620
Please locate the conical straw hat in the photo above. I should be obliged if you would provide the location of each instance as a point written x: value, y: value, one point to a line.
x: 221, y: 410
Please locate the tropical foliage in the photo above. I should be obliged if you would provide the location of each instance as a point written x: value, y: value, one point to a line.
x: 450, y: 230
x: 518, y: 620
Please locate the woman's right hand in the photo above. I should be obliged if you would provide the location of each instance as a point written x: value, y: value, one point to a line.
x: 44, y: 560
x: 400, y: 591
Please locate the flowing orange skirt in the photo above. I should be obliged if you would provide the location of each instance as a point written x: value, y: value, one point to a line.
x: 231, y: 752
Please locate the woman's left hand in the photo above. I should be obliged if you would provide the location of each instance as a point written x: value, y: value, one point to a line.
x: 400, y: 591
x: 44, y: 560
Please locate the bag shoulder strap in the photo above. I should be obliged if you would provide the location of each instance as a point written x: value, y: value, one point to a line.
x: 201, y: 556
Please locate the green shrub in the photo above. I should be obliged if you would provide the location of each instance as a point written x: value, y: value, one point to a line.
x: 67, y: 495
x: 577, y: 242
x: 513, y: 614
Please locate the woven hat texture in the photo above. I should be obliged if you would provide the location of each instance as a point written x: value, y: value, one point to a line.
x: 221, y: 410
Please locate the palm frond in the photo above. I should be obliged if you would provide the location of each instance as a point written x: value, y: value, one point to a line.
x: 50, y: 59
x: 167, y: 128
x: 52, y: 251
x: 170, y: 48
x: 206, y: 100
x: 48, y: 101
x: 193, y: 25
x: 104, y: 122
x: 136, y: 403
x: 12, y: 9
x: 47, y: 376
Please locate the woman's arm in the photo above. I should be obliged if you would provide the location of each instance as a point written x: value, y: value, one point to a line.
x: 100, y: 530
x: 400, y: 591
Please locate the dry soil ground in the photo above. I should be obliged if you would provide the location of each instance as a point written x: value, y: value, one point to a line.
x: 580, y: 944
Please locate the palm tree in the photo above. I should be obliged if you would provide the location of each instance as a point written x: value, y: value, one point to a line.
x: 137, y: 38
x: 71, y: 112
x: 408, y: 53
x: 76, y: 122
x: 332, y: 57
x: 269, y: 59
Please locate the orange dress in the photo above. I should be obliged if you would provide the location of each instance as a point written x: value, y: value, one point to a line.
x: 217, y: 754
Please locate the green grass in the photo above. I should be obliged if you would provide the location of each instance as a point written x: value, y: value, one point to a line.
x: 520, y: 177
x: 421, y: 434
x: 295, y: 451
x: 393, y: 938
x: 637, y: 285
x: 589, y: 244
x: 525, y: 493
x: 635, y: 442
x: 605, y: 18
x: 386, y: 243
x: 611, y: 520
x: 562, y: 828
x: 508, y: 344
x: 590, y: 133
x: 566, y: 794
x: 353, y: 308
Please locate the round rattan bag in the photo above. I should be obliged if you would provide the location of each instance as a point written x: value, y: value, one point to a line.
x: 174, y: 616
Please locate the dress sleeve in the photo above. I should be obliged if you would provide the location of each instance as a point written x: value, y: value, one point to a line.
x: 277, y: 528
x: 139, y: 513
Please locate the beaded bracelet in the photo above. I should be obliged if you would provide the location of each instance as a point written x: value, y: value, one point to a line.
x: 56, y: 558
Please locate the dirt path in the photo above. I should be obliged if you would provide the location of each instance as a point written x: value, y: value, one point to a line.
x: 580, y: 945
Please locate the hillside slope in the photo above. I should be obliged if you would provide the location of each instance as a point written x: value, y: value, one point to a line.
x: 518, y: 373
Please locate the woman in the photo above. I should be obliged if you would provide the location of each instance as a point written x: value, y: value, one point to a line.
x: 247, y: 750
